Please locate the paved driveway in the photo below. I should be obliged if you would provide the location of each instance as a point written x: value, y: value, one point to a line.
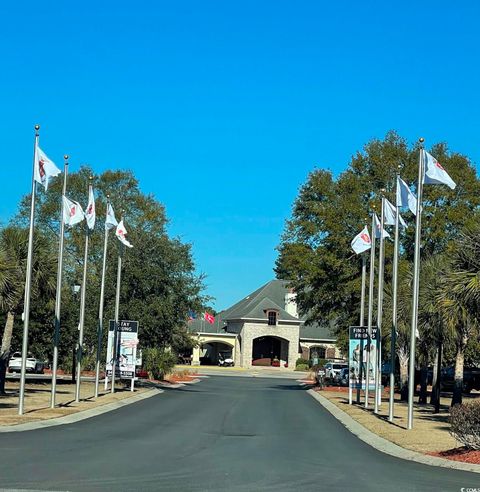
x: 224, y: 434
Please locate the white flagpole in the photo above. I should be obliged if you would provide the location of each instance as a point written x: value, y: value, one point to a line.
x: 82, y: 307
x: 28, y: 281
x: 58, y: 296
x: 416, y: 286
x: 381, y: 261
x: 393, y: 334
x: 100, y: 309
x: 370, y: 308
x: 362, y: 321
x: 121, y: 249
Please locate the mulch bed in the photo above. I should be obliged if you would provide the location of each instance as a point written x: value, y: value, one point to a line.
x: 459, y: 454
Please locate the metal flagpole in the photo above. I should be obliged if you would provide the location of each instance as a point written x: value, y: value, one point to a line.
x: 100, y: 309
x: 370, y: 308
x: 362, y: 321
x: 82, y: 306
x: 393, y: 334
x: 28, y: 281
x: 416, y: 285
x: 58, y: 297
x: 121, y: 249
x: 381, y: 261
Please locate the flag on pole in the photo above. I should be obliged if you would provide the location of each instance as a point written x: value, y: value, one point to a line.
x: 44, y: 168
x: 110, y: 221
x: 361, y: 242
x: 405, y: 198
x: 121, y: 232
x: 90, y: 213
x: 72, y: 212
x: 378, y: 228
x: 192, y: 315
x: 209, y: 318
x: 434, y: 172
x: 389, y: 215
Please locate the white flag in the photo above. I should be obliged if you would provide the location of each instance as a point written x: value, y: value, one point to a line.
x: 389, y: 214
x: 72, y: 212
x: 121, y: 232
x: 378, y: 227
x: 110, y: 221
x: 90, y: 213
x: 434, y: 172
x: 405, y: 198
x: 361, y: 242
x: 44, y: 168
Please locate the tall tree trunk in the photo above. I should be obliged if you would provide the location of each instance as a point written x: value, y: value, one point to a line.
x: 5, y: 349
x: 458, y: 383
x: 423, y: 383
x: 403, y: 359
x: 433, y: 395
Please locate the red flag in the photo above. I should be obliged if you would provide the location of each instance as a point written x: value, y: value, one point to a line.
x: 209, y: 318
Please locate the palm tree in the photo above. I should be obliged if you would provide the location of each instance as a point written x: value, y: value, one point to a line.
x: 459, y: 299
x: 13, y: 260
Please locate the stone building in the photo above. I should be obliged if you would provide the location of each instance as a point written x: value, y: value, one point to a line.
x: 264, y: 328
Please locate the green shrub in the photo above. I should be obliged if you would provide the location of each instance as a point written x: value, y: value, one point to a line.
x: 303, y: 362
x: 158, y: 362
x: 302, y: 367
x: 465, y: 424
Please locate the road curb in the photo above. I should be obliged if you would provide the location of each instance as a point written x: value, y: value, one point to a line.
x: 384, y: 445
x: 83, y: 415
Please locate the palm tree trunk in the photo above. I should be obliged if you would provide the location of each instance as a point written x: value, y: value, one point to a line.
x: 423, y: 383
x: 5, y: 349
x: 433, y: 395
x: 458, y: 384
x: 403, y: 359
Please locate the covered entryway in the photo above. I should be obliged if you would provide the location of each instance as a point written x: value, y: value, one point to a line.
x: 210, y: 352
x: 270, y: 351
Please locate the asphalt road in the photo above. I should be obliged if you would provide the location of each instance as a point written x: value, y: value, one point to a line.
x: 223, y: 434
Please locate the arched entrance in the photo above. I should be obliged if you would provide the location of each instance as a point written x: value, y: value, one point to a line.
x: 270, y: 351
x: 211, y: 351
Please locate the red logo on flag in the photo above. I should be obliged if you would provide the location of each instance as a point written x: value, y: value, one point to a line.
x: 41, y: 168
x: 438, y: 164
x: 90, y: 209
x: 365, y: 237
x: 73, y: 210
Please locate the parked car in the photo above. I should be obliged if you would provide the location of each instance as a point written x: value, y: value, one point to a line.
x: 34, y: 365
x: 471, y: 379
x: 333, y: 368
x: 341, y: 378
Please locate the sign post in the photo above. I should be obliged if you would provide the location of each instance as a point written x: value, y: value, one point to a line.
x: 126, y: 353
x: 360, y: 345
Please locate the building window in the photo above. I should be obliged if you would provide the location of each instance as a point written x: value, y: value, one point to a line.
x: 272, y: 318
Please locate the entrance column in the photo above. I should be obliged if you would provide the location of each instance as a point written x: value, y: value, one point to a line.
x: 196, y: 356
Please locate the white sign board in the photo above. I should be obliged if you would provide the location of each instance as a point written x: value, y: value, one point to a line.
x: 127, y: 342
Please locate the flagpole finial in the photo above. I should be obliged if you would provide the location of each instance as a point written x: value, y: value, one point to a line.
x: 90, y: 178
x: 37, y: 127
x: 421, y: 140
x: 66, y: 157
x: 108, y: 196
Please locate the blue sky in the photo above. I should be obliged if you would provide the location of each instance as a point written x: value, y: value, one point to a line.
x: 221, y: 108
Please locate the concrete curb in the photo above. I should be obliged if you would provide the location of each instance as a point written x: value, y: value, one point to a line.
x: 85, y: 414
x: 384, y: 445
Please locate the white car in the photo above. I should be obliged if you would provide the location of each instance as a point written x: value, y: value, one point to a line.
x: 33, y: 364
x: 333, y: 368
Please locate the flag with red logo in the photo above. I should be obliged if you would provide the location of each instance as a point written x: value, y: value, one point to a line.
x: 72, y: 212
x: 210, y: 318
x: 361, y: 242
x: 44, y: 168
x: 110, y: 221
x: 121, y: 233
x: 434, y: 172
x: 90, y: 212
